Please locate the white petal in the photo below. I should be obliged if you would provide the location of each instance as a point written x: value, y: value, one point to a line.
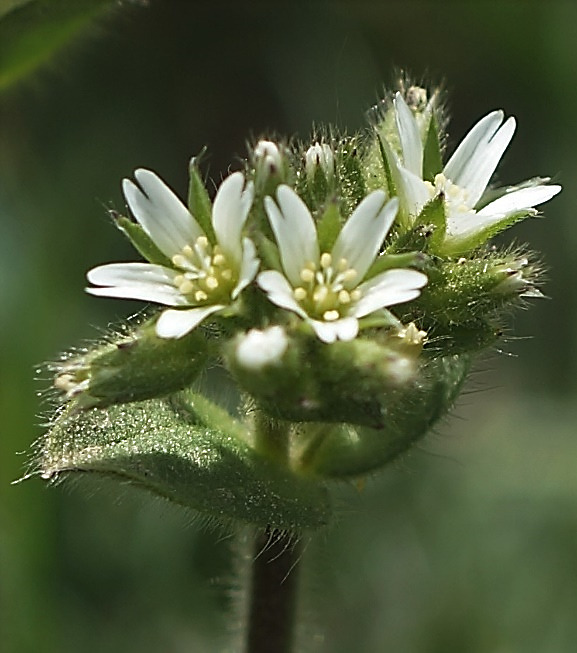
x: 326, y: 331
x: 389, y: 288
x: 363, y: 234
x: 113, y: 274
x: 518, y: 200
x: 160, y: 213
x: 413, y: 192
x: 279, y: 291
x: 143, y: 281
x: 473, y: 167
x: 410, y: 137
x: 229, y: 213
x: 175, y: 324
x: 249, y: 267
x: 294, y: 230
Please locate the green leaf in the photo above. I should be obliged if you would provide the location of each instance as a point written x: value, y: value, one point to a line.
x: 329, y: 227
x: 32, y: 32
x: 141, y: 241
x: 391, y: 261
x: 199, y: 203
x: 171, y: 451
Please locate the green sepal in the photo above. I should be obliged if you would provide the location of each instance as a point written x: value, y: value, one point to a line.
x: 342, y: 451
x: 141, y: 241
x: 199, y: 203
x: 133, y: 367
x: 386, y: 262
x: 386, y: 166
x: 346, y: 381
x: 433, y: 217
x: 268, y: 252
x: 329, y: 227
x: 432, y: 154
x: 171, y: 451
x: 350, y: 174
x: 479, y: 238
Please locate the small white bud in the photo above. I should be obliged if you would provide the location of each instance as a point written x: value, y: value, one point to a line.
x: 319, y: 155
x: 258, y: 349
x: 267, y: 154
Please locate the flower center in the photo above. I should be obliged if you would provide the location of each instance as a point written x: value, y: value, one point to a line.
x: 326, y: 293
x: 457, y: 199
x: 206, y: 277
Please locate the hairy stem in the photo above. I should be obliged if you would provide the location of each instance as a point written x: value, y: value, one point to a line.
x: 273, y: 593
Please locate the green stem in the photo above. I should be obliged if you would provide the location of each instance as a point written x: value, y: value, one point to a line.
x: 273, y: 593
x: 275, y: 560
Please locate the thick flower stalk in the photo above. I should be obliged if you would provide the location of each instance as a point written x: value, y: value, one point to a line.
x: 203, y: 273
x: 330, y: 289
x: 471, y: 214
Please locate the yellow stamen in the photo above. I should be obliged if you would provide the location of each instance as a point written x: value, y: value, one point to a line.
x: 326, y: 260
x: 299, y: 294
x: 331, y: 316
x: 307, y: 275
x: 200, y: 296
x: 344, y: 297
x: 211, y: 283
x: 186, y: 286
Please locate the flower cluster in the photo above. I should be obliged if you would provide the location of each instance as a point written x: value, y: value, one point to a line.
x: 342, y: 285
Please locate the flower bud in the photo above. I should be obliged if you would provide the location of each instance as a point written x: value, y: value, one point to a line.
x: 319, y: 158
x: 304, y: 380
x: 131, y: 368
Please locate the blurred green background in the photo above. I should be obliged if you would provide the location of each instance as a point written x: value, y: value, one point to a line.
x: 467, y: 545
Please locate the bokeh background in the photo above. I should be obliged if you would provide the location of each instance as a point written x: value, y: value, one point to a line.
x: 468, y: 544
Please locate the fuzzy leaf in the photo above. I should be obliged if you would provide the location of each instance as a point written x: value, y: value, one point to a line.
x: 171, y: 451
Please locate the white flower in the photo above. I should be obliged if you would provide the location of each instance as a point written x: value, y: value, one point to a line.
x: 464, y: 178
x: 204, y: 277
x: 326, y: 288
x: 258, y: 349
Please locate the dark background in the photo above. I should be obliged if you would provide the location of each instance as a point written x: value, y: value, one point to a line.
x: 468, y: 544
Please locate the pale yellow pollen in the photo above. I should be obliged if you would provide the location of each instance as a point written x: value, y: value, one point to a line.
x: 200, y: 296
x: 307, y: 275
x: 179, y: 260
x: 311, y: 266
x: 218, y: 259
x: 186, y: 286
x: 344, y: 297
x: 356, y: 295
x: 326, y: 260
x: 201, y: 241
x: 300, y: 294
x: 187, y: 250
x: 211, y: 283
x: 331, y: 316
x: 350, y: 274
x: 342, y: 265
x: 178, y: 279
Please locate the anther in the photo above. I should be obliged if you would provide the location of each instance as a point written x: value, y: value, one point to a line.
x: 307, y: 275
x: 211, y: 283
x: 344, y: 297
x: 331, y: 316
x: 326, y: 260
x: 200, y: 296
x: 299, y: 294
